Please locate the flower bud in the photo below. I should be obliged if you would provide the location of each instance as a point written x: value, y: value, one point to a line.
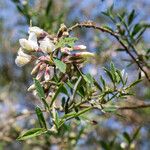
x: 49, y: 73
x: 79, y: 47
x: 66, y: 50
x: 46, y: 45
x: 40, y: 75
x: 31, y: 88
x: 28, y: 46
x: 84, y: 54
x: 35, y: 69
x: 38, y: 31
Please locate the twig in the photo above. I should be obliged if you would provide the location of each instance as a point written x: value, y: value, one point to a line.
x: 93, y: 25
x: 134, y: 107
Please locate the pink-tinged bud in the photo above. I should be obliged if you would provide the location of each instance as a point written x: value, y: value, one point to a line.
x: 40, y: 75
x: 35, y: 69
x: 85, y: 54
x: 44, y: 58
x: 79, y: 47
x: 22, y: 60
x: 42, y: 66
x: 49, y: 73
x: 31, y: 88
x: 66, y: 50
x: 38, y: 31
x: 46, y: 45
x: 28, y: 46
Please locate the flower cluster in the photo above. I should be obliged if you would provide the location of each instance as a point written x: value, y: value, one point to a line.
x: 42, y: 48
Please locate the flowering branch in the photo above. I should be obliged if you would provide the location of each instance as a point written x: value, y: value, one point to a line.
x: 93, y: 25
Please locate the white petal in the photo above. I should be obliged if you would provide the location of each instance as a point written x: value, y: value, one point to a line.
x: 38, y: 31
x: 21, y: 60
x: 46, y: 45
x: 28, y: 45
x: 32, y: 37
x: 21, y: 53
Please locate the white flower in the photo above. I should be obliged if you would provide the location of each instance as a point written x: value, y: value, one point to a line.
x: 29, y: 45
x: 46, y: 45
x: 38, y: 31
x: 22, y: 58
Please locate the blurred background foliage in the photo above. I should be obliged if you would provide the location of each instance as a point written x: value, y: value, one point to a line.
x: 128, y: 129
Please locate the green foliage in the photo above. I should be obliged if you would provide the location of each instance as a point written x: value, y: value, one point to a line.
x: 41, y: 93
x: 60, y: 65
x: 41, y: 118
x: 31, y: 133
x: 67, y: 41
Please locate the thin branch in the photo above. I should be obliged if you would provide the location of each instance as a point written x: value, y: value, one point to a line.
x: 93, y: 25
x: 134, y: 107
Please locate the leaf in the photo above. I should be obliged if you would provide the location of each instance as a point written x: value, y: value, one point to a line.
x: 40, y: 92
x: 60, y: 65
x: 31, y: 133
x: 112, y: 67
x: 109, y: 74
x: 131, y: 17
x: 61, y: 89
x: 134, y: 83
x: 136, y: 29
x: 136, y: 133
x: 39, y: 89
x: 109, y: 109
x: 107, y: 27
x: 49, y: 6
x: 104, y: 145
x: 57, y: 120
x: 120, y: 75
x: 40, y: 117
x: 127, y: 137
x: 88, y: 78
x: 68, y: 41
x: 103, y: 82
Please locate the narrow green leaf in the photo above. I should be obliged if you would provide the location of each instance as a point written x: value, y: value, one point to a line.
x: 39, y: 89
x: 40, y: 92
x: 31, y: 133
x: 57, y: 120
x: 136, y: 29
x: 136, y: 133
x: 120, y: 75
x: 107, y: 27
x: 103, y: 82
x: 61, y: 89
x: 49, y: 5
x: 60, y: 65
x: 109, y: 74
x: 88, y: 78
x: 109, y: 109
x: 134, y: 83
x: 127, y: 137
x: 40, y: 117
x: 131, y: 17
